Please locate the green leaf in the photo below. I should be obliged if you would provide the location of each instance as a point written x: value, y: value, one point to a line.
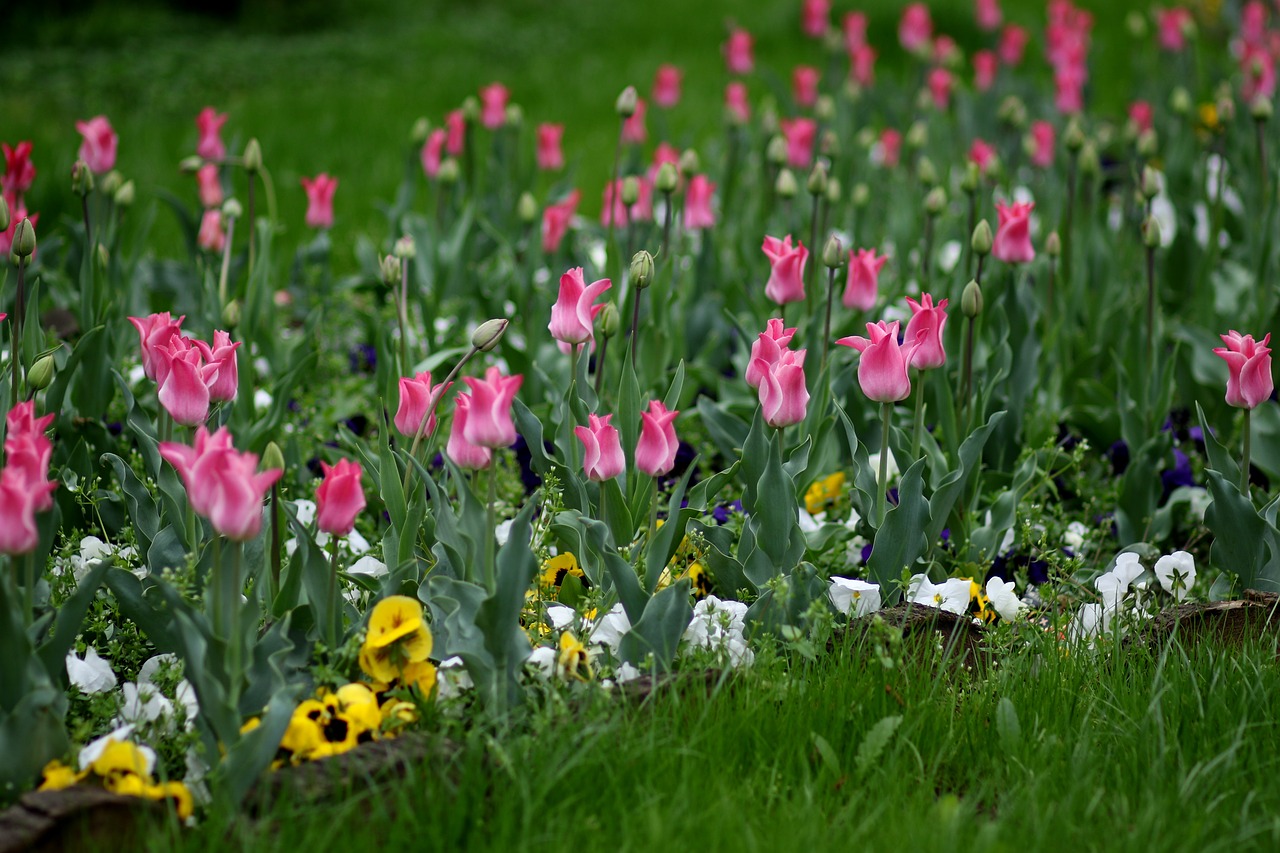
x: 138, y: 499
x: 254, y: 750
x: 728, y: 431
x: 901, y: 539
x: 1220, y: 459
x: 660, y: 628
x: 1007, y: 725
x: 1240, y: 536
x: 874, y: 743
x: 953, y: 485
x: 67, y: 622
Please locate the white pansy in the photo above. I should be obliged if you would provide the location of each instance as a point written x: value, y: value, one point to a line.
x: 91, y: 675
x: 810, y: 523
x: 306, y: 511
x: 370, y: 566
x: 1176, y: 573
x: 543, y: 659
x: 892, y: 469
x: 560, y: 616
x: 143, y: 704
x: 719, y: 626
x: 952, y: 595
x: 452, y: 679
x: 502, y: 531
x: 1004, y: 599
x: 611, y: 628
x: 93, y: 751
x: 1128, y: 567
x: 1089, y: 620
x: 1074, y: 536
x: 626, y: 672
x: 850, y: 594
x: 262, y: 399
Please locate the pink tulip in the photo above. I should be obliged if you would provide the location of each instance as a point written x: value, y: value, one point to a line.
x: 555, y: 221
x: 800, y: 134
x: 915, y: 29
x: 981, y: 155
x: 1142, y: 115
x: 1249, y: 383
x: 573, y: 315
x: 433, y: 152
x: 767, y: 350
x: 862, y: 284
x: 493, y: 109
x: 882, y: 368
x: 1258, y: 73
x: 613, y: 209
x: 210, y: 184
x: 18, y: 498
x: 1043, y: 138
x: 786, y: 274
x: 1013, y: 44
x: 738, y: 52
x: 1173, y: 25
x: 222, y: 484
x: 987, y: 13
x: 210, y: 122
x: 224, y: 380
x: 550, y: 155
x: 1253, y: 22
x: 456, y: 126
x: 464, y: 454
x: 939, y: 82
x: 784, y: 399
x: 155, y: 331
x: 854, y: 26
x: 735, y: 101
x: 340, y: 498
x: 98, y: 150
x: 28, y: 451
x: 1012, y: 243
x: 416, y: 397
x: 656, y: 450
x: 320, y: 190
x: 804, y: 85
x: 184, y: 392
x: 945, y: 50
x: 19, y: 171
x: 489, y: 419
x: 985, y: 66
x: 816, y: 18
x: 666, y: 86
x: 890, y: 147
x: 698, y: 214
x: 633, y: 129
x: 863, y: 65
x: 602, y: 457
x: 664, y: 153
x: 211, y: 237
x: 194, y: 464
x: 925, y: 328
x: 1068, y: 91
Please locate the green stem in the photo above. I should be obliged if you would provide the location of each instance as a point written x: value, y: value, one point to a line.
x: 275, y: 541
x: 814, y: 253
x: 226, y: 267
x: 882, y: 483
x: 431, y: 410
x: 252, y: 223
x: 966, y: 388
x: 600, y: 362
x: 490, y: 541
x: 1067, y: 219
x: 919, y: 418
x: 1244, y: 461
x: 1151, y: 310
x: 29, y: 588
x: 334, y: 628
x: 614, y: 191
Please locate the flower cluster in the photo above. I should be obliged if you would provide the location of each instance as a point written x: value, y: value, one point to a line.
x: 122, y: 767
x: 189, y: 373
x: 223, y: 484
x: 25, y: 488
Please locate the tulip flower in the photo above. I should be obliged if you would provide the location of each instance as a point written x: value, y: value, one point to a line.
x: 1249, y: 382
x: 28, y: 451
x: 1142, y: 115
x: 613, y: 210
x: 192, y: 464
x: 854, y: 26
x: 339, y: 498
x: 1013, y: 233
x: 863, y: 281
x: 862, y: 65
x: 1043, y: 138
x: 767, y: 350
x: 982, y: 155
x: 224, y: 382
x: 915, y: 29
x: 184, y: 392
x: 555, y: 221
x: 666, y: 86
x: 211, y: 237
x: 800, y: 134
x: 433, y: 152
x: 985, y: 65
x: 602, y: 457
x: 550, y: 156
x: 816, y: 17
x: 456, y: 127
x: 320, y: 190
x: 223, y: 484
x: 735, y: 101
x: 98, y: 150
x: 633, y: 129
x: 463, y: 453
x: 493, y: 109
x: 416, y: 398
x: 784, y: 399
x: 656, y: 450
x: 987, y: 13
x: 939, y: 82
x: 786, y: 273
x: 697, y: 204
x: 210, y: 122
x: 1173, y: 25
x: 890, y: 147
x: 210, y: 184
x: 738, y: 52
x: 1013, y: 44
x: 925, y: 328
x: 19, y: 171
x: 489, y: 419
x: 155, y: 331
x: 804, y: 85
x: 573, y: 315
x: 18, y: 498
x: 882, y: 368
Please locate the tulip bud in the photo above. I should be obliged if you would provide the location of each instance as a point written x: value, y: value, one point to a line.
x: 190, y: 165
x: 1013, y: 112
x: 405, y: 248
x: 389, y: 269
x: 1226, y: 109
x: 448, y: 174
x: 861, y: 195
x: 272, y: 457
x: 111, y: 182
x: 527, y: 208
x: 630, y: 190
x: 927, y: 172
x: 642, y: 269
x: 81, y: 179
x: 1261, y: 109
x: 24, y: 239
x: 609, y: 320
x: 851, y: 91
x: 830, y: 143
x: 231, y: 314
x: 866, y: 138
x: 935, y: 201
x: 1148, y: 143
x: 515, y: 115
x: 689, y: 163
x: 924, y: 100
x: 1073, y: 138
x: 1136, y: 23
x: 471, y: 109
x: 232, y: 209
x: 5, y: 215
x: 833, y: 253
x: 626, y: 103
x: 1180, y: 101
x: 833, y: 190
x: 488, y: 333
x: 817, y: 184
x: 971, y: 300
x: 824, y: 109
x: 417, y: 134
x: 1150, y: 183
x: 982, y: 239
x: 768, y: 117
x: 667, y: 179
x: 41, y: 373
x: 917, y: 136
x: 1090, y: 165
x: 124, y: 195
x: 253, y: 155
x: 1151, y: 233
x: 786, y: 185
x: 972, y: 178
x: 776, y: 151
x: 1053, y: 245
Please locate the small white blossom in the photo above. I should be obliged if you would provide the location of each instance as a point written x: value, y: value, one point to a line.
x: 1004, y: 599
x: 952, y: 595
x: 1176, y: 573
x: 848, y: 594
x: 610, y: 629
x: 91, y: 675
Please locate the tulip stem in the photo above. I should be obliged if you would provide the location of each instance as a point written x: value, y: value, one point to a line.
x: 968, y: 375
x: 1067, y: 219
x: 28, y: 588
x: 402, y: 314
x: 1151, y: 311
x: 275, y: 540
x: 224, y: 274
x: 814, y: 252
x: 490, y: 560
x: 600, y: 361
x: 16, y: 348
x: 1244, y: 461
x: 882, y: 483
x: 635, y: 323
x: 919, y: 418
x: 88, y: 233
x: 335, y: 612
x: 252, y: 222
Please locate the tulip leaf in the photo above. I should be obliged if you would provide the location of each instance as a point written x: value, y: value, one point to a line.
x: 728, y: 431
x: 1220, y: 459
x: 152, y: 619
x: 901, y: 539
x: 138, y: 499
x: 67, y: 622
x: 953, y: 485
x: 662, y: 543
x: 659, y: 628
x: 1244, y: 542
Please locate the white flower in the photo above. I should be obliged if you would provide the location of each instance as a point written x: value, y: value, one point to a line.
x: 1176, y: 573
x: 610, y: 629
x: 371, y: 566
x: 1004, y: 599
x: 452, y: 679
x: 1166, y: 219
x: 91, y: 675
x: 810, y: 523
x: 143, y: 704
x: 1074, y: 536
x: 1212, y: 178
x: 848, y: 594
x: 1088, y: 621
x: 503, y: 531
x: 719, y: 626
x: 543, y: 659
x: 306, y: 511
x: 261, y: 399
x: 1128, y: 567
x: 948, y: 256
x: 952, y: 595
x: 560, y: 616
x: 892, y: 469
x: 626, y: 672
x: 1198, y: 503
x: 94, y: 750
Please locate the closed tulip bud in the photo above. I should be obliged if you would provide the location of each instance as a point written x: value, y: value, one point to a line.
x: 41, y: 373
x: 1013, y: 112
x: 769, y: 117
x: 982, y: 239
x: 253, y: 154
x: 272, y: 457
x: 124, y: 195
x: 1073, y: 138
x: 861, y: 195
x: 24, y: 239
x: 817, y: 184
x: 642, y: 269
x: 1090, y: 165
x: 689, y: 163
x: 851, y: 91
x: 389, y: 269
x: 667, y: 179
x: 626, y: 103
x: 417, y: 134
x: 917, y: 136
x: 866, y: 138
x: 833, y: 253
x: 1150, y: 183
x: 1136, y: 23
x: 971, y: 300
x: 488, y: 333
x: 824, y: 109
x: 1226, y: 109
x: 833, y: 190
x: 1180, y: 101
x: 972, y: 178
x: 5, y: 216
x: 231, y: 314
x: 104, y: 257
x: 1151, y: 233
x: 1261, y: 109
x: 924, y: 100
x: 1148, y: 143
x: 776, y: 151
x: 232, y: 209
x: 448, y: 174
x: 609, y: 320
x: 527, y: 208
x: 927, y: 172
x: 830, y: 143
x: 630, y: 190
x: 190, y: 165
x: 514, y: 115
x: 786, y: 185
x: 405, y: 249
x: 111, y: 182
x: 1053, y: 245
x: 81, y: 179
x: 471, y: 109
x: 936, y: 201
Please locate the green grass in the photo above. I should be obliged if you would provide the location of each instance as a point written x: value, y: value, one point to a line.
x: 1051, y: 750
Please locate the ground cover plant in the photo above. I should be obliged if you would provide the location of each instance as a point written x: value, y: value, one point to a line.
x: 951, y: 335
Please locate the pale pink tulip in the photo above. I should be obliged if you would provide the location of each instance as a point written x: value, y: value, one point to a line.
x: 98, y: 150
x: 1013, y: 233
x: 767, y: 350
x: 800, y: 134
x: 925, y: 328
x: 555, y: 221
x: 602, y: 457
x: 786, y: 269
x: 550, y: 156
x: 210, y: 122
x: 573, y: 315
x: 698, y: 214
x: 1249, y: 382
x: 464, y: 454
x: 666, y: 86
x: 489, y: 419
x: 882, y: 367
x: 862, y: 284
x: 738, y: 52
x: 656, y: 450
x: 784, y: 399
x: 417, y: 395
x: 339, y: 498
x: 320, y: 190
x: 493, y: 105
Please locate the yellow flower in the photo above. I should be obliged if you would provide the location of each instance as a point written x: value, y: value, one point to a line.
x: 573, y: 655
x: 981, y: 604
x: 396, y: 617
x: 558, y: 567
x: 122, y: 758
x: 175, y: 791
x: 397, y: 713
x: 824, y: 492
x: 358, y: 705
x: 701, y: 581
x: 249, y: 725
x: 125, y: 784
x: 421, y: 674
x: 304, y: 734
x: 58, y: 776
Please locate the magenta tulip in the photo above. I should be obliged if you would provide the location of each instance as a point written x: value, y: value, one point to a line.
x: 1043, y: 138
x: 862, y: 285
x: 786, y: 274
x: 489, y: 419
x: 18, y: 498
x: 210, y: 122
x: 767, y: 350
x: 602, y: 457
x: 154, y: 331
x: 784, y: 399
x: 416, y: 398
x: 98, y: 150
x: 433, y: 152
x: 738, y: 52
x: 339, y: 498
x: 882, y: 367
x: 1013, y: 233
x: 940, y: 82
x: 19, y: 171
x: 816, y: 17
x: 982, y: 155
x: 320, y: 190
x: 633, y: 129
x: 550, y: 156
x: 666, y: 86
x: 985, y: 66
x: 987, y: 13
x: 184, y: 391
x: 736, y: 103
x: 493, y: 109
x: 211, y: 237
x: 210, y: 186
x: 463, y: 453
x: 804, y: 85
x: 800, y: 134
x: 456, y: 126
x: 697, y: 204
x: 555, y: 221
x: 915, y: 29
x: 573, y: 315
x: 925, y: 328
x: 1249, y: 382
x: 656, y: 450
x: 224, y: 380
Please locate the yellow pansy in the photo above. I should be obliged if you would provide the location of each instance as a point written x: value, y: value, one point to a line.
x: 394, y: 618
x: 175, y: 791
x: 122, y: 758
x: 421, y: 674
x: 573, y: 656
x: 558, y: 567
x: 397, y: 713
x: 58, y: 776
x: 824, y: 492
x: 358, y: 705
